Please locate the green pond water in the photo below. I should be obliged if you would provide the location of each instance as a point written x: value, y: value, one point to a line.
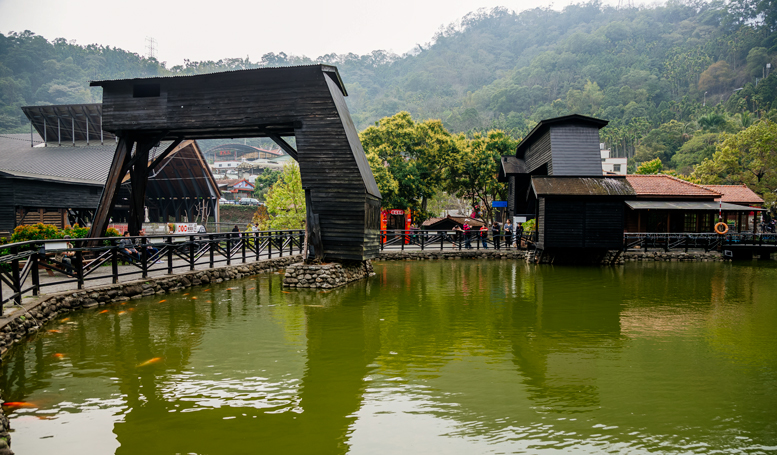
x: 440, y: 357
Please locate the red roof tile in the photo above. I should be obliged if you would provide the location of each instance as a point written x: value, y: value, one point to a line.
x: 737, y: 194
x: 666, y: 186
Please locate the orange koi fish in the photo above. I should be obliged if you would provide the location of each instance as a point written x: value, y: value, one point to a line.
x: 59, y: 355
x: 209, y: 301
x: 122, y: 312
x: 54, y: 331
x: 194, y: 297
x: 149, y: 362
x: 104, y: 311
x: 286, y: 292
x: 206, y: 290
x: 251, y: 289
x: 186, y: 293
x: 64, y: 320
x: 18, y: 404
x: 163, y: 301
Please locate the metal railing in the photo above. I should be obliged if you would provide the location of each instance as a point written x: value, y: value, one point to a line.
x: 685, y: 241
x: 401, y: 240
x: 21, y: 263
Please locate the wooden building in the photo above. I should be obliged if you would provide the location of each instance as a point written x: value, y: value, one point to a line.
x: 305, y: 102
x: 556, y: 178
x: 449, y: 222
x: 666, y: 204
x: 59, y: 181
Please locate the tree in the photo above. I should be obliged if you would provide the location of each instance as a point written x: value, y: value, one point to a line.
x: 264, y: 181
x: 408, y: 159
x: 650, y: 167
x: 748, y: 157
x: 473, y: 176
x: 286, y: 200
x: 717, y: 76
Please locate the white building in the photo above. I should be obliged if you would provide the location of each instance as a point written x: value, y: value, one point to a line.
x: 612, y: 165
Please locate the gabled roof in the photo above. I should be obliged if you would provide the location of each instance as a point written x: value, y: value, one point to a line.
x: 510, y: 165
x: 544, y: 125
x: 666, y: 186
x: 459, y: 220
x: 736, y: 194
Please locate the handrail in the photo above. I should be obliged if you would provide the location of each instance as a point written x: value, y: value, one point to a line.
x: 21, y: 262
x: 448, y: 240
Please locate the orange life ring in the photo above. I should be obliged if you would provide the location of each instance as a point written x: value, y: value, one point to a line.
x: 721, y: 228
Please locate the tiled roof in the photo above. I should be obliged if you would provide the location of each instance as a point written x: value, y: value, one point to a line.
x: 666, y: 186
x: 736, y: 194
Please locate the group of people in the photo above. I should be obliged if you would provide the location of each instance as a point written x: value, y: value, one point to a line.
x: 131, y: 249
x: 511, y: 236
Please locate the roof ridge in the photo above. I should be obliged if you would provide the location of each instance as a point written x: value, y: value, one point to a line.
x: 671, y: 177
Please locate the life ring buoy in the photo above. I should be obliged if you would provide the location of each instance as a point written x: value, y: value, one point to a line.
x: 721, y: 228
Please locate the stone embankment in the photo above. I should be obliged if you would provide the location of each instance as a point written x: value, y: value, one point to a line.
x: 326, y: 276
x: 661, y: 256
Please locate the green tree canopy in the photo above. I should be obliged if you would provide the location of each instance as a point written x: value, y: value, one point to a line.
x: 286, y: 200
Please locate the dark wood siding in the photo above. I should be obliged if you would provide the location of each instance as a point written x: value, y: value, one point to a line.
x: 580, y: 223
x: 6, y: 204
x: 575, y: 150
x: 539, y: 154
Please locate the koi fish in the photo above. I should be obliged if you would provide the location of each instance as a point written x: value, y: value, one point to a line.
x: 104, y: 311
x: 54, y: 331
x: 209, y: 301
x: 149, y: 362
x: 122, y: 312
x: 194, y: 297
x: 206, y: 290
x: 186, y: 293
x: 64, y: 320
x: 19, y: 404
x: 315, y: 306
x: 286, y: 292
x: 163, y: 301
x: 251, y: 289
x: 59, y: 355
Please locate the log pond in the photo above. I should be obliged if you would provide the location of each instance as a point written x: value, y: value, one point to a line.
x: 433, y: 357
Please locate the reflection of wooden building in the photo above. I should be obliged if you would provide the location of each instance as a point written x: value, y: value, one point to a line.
x: 666, y: 204
x: 59, y: 182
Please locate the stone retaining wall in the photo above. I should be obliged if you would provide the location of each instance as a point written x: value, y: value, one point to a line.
x: 34, y: 314
x: 699, y: 256
x: 326, y: 276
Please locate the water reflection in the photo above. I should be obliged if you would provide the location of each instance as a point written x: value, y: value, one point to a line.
x: 439, y: 357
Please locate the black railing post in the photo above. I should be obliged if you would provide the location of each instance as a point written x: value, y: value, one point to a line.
x: 15, y: 276
x: 79, y: 266
x: 114, y: 262
x: 291, y: 243
x: 191, y: 252
x: 143, y: 259
x: 382, y: 239
x: 255, y: 236
x: 170, y: 255
x: 402, y: 240
x: 442, y: 239
x: 243, y: 248
x: 210, y: 250
x: 421, y: 235
x: 35, y: 276
x: 269, y: 246
x: 280, y: 245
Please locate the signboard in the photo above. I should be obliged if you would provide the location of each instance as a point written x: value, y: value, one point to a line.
x: 499, y: 204
x: 185, y: 228
x: 397, y: 212
x: 225, y: 152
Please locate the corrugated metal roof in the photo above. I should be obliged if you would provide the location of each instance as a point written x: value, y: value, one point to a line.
x: 581, y: 186
x: 688, y: 205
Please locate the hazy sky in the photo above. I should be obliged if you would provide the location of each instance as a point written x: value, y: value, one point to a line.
x: 211, y: 30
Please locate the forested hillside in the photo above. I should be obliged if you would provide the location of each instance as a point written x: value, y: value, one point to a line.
x: 670, y: 78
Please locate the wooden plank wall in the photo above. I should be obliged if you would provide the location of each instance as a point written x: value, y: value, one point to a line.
x: 539, y: 154
x: 6, y: 204
x: 575, y: 150
x: 581, y: 223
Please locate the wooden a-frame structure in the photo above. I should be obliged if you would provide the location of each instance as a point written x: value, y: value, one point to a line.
x: 306, y: 102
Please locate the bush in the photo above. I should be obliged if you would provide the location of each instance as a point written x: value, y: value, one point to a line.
x: 38, y: 231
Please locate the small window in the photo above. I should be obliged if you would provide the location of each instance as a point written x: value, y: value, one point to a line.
x: 616, y: 167
x: 145, y: 90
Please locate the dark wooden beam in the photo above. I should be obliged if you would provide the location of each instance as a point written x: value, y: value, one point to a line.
x: 112, y: 185
x: 165, y: 154
x: 283, y: 144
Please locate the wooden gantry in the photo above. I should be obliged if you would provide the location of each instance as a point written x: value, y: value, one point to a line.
x: 306, y: 102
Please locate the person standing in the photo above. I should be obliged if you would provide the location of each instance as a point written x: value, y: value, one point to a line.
x: 484, y: 235
x: 467, y: 231
x: 518, y: 235
x: 508, y: 233
x: 495, y: 234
